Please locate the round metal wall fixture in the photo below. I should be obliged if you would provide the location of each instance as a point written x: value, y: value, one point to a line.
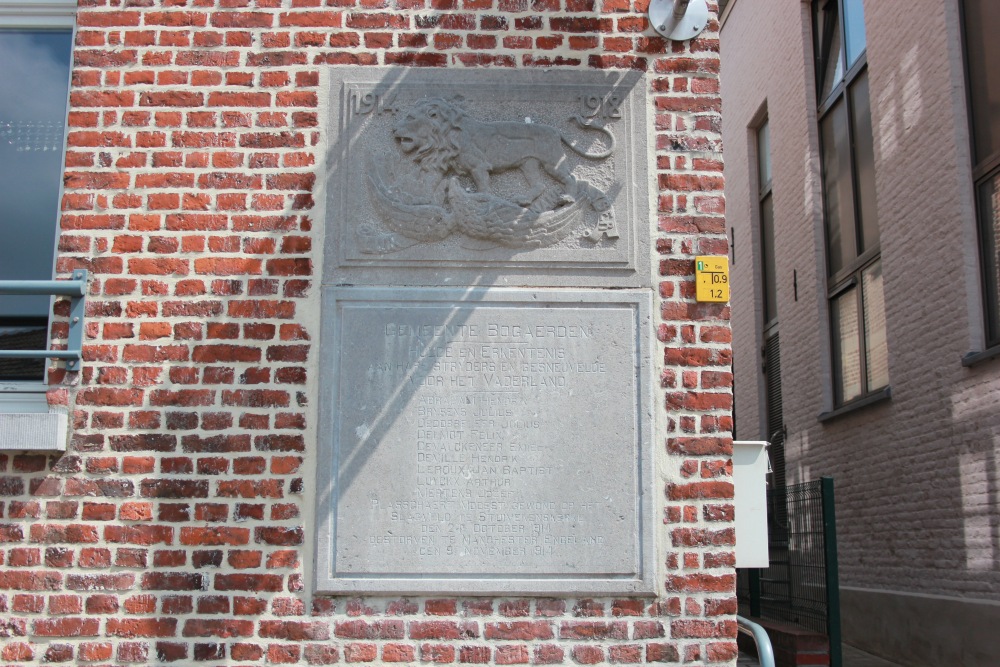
x: 692, y: 19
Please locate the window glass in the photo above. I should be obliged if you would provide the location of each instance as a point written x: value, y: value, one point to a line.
x: 989, y: 217
x: 857, y: 308
x: 33, y: 86
x: 764, y: 156
x: 767, y: 253
x: 982, y: 20
x: 830, y: 47
x: 876, y: 351
x: 34, y: 79
x: 864, y: 161
x: 854, y: 24
x: 847, y: 345
x: 837, y: 190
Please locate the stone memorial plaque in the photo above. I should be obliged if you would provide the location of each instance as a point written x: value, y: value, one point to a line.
x: 487, y: 177
x: 485, y: 442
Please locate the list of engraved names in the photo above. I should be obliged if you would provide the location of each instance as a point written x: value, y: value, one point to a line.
x: 488, y: 439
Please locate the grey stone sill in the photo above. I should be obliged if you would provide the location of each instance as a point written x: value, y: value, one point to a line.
x: 34, y: 431
x: 973, y: 358
x: 879, y: 396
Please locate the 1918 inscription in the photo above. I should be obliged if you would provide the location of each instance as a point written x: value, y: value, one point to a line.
x: 463, y: 451
x: 487, y: 177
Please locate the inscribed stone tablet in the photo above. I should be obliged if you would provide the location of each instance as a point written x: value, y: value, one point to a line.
x: 487, y: 177
x: 485, y: 441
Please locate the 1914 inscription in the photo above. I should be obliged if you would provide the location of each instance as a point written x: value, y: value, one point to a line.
x: 487, y: 177
x: 499, y: 445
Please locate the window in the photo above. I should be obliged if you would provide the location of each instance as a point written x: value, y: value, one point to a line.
x: 774, y: 423
x: 36, y: 42
x: 36, y: 51
x: 766, y: 212
x: 982, y: 51
x: 854, y: 270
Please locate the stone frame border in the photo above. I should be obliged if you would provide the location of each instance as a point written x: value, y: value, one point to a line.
x: 327, y: 582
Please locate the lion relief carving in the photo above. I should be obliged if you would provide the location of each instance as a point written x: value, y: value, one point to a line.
x: 442, y: 137
x: 425, y: 201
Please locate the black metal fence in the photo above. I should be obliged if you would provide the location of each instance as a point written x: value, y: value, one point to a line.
x: 801, y: 584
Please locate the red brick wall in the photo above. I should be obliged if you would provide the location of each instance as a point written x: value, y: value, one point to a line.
x: 177, y: 526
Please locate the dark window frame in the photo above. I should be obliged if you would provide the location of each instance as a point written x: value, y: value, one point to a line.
x: 849, y: 274
x: 985, y: 169
x: 772, y: 426
x: 765, y: 194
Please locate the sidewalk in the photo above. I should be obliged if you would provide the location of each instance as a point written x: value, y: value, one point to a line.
x: 852, y: 658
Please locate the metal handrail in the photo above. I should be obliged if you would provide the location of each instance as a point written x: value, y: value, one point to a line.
x: 765, y: 653
x: 76, y: 289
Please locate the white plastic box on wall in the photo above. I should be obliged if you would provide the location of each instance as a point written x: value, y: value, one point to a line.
x: 750, y: 466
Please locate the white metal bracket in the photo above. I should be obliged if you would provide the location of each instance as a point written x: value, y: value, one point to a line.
x: 678, y: 20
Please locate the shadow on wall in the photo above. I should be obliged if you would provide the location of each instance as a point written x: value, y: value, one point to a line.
x: 978, y: 476
x: 428, y: 182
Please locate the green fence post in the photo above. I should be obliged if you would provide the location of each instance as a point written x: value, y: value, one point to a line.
x: 832, y: 576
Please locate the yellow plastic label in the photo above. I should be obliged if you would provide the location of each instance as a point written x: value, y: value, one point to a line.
x: 711, y: 274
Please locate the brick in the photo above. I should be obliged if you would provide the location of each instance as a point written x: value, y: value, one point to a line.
x: 28, y: 604
x: 294, y: 630
x: 471, y: 654
x: 548, y: 654
x: 144, y: 535
x: 173, y: 581
x: 701, y: 582
x: 97, y: 582
x: 588, y: 655
x: 222, y: 628
x: 518, y: 630
x: 94, y: 651
x: 171, y: 651
x: 658, y: 652
x: 16, y: 652
x: 593, y: 630
x: 214, y: 536
x: 442, y: 630
x: 70, y: 534
x: 171, y: 488
x: 437, y: 653
x: 65, y: 627
x: 360, y: 629
x: 279, y: 536
x: 58, y: 653
x: 699, y: 490
x: 248, y: 582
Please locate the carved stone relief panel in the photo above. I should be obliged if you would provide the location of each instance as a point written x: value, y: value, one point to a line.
x: 487, y: 177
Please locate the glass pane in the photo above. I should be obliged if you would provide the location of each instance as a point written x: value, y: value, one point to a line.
x: 846, y: 346
x: 830, y: 48
x: 34, y: 80
x: 837, y: 190
x: 982, y: 24
x: 989, y: 220
x: 767, y: 255
x: 26, y: 335
x: 876, y: 351
x: 764, y: 156
x: 854, y: 24
x: 864, y: 161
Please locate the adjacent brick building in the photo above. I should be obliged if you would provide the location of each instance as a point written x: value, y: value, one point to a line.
x: 177, y: 525
x: 860, y: 184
